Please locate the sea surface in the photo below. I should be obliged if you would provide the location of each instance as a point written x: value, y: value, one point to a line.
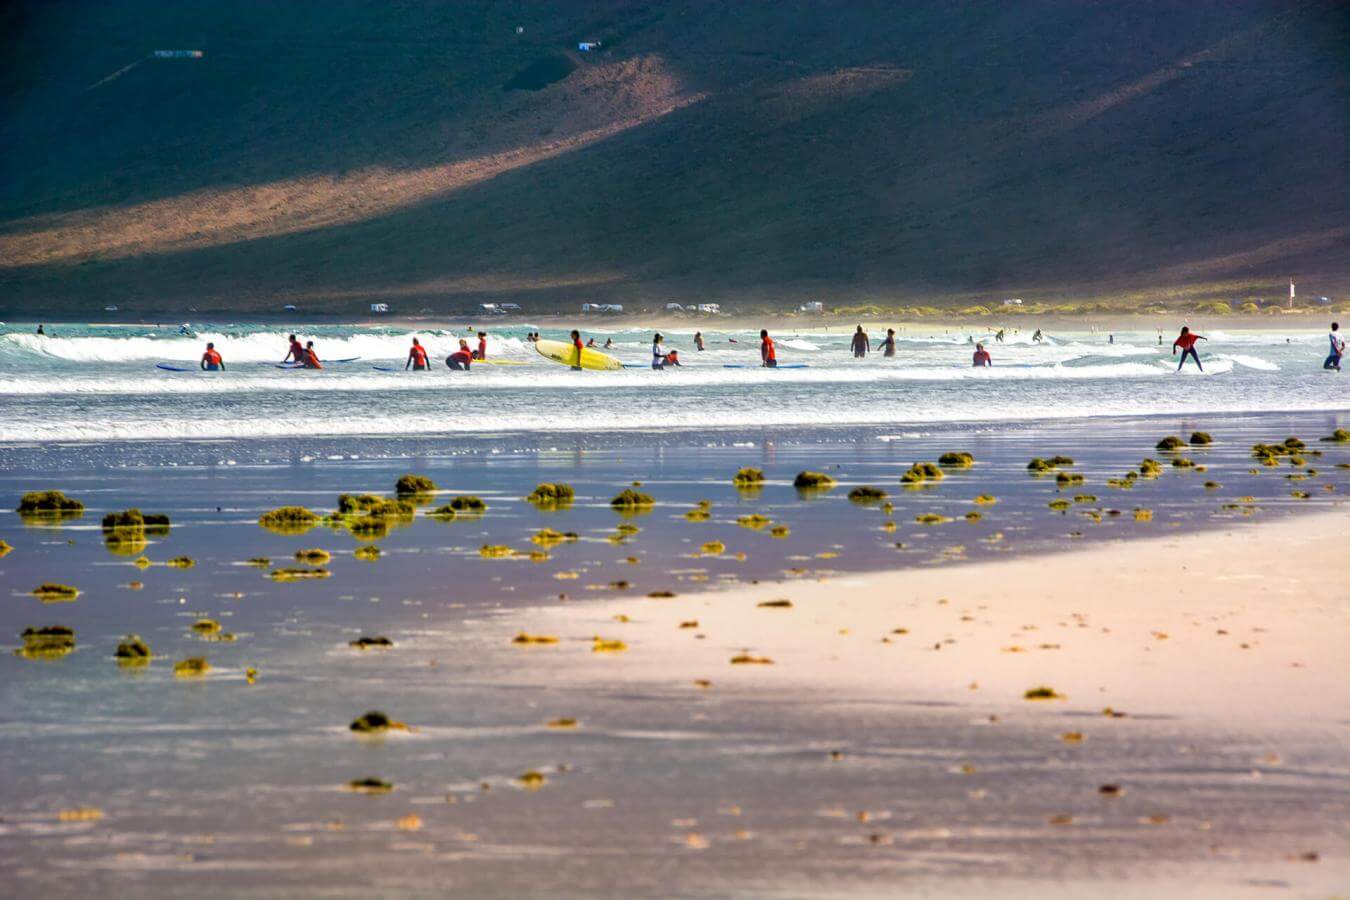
x: 101, y: 382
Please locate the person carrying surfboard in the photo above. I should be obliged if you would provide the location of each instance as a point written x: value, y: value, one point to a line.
x: 296, y: 352
x: 459, y: 360
x: 768, y: 357
x: 577, y: 347
x: 311, y: 358
x: 211, y: 361
x: 1186, y: 341
x: 417, y: 357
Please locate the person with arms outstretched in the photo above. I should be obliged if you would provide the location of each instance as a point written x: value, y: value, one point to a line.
x: 1186, y: 341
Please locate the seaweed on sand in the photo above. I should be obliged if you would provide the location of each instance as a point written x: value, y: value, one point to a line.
x: 379, y: 642
x: 495, y: 551
x: 368, y: 553
x: 1171, y: 442
x: 49, y: 503
x: 52, y: 592
x: 922, y: 472
x: 552, y: 495
x: 288, y: 520
x: 713, y: 548
x: 754, y: 521
x: 314, y: 556
x: 629, y: 500
x: 192, y: 667
x: 780, y: 531
x: 132, y: 651
x: 701, y: 512
x: 931, y: 519
x: 414, y: 485
x: 375, y: 722
x: 808, y: 480
x: 607, y: 645
x: 5, y: 548
x: 468, y: 504
x: 181, y: 562
x: 48, y: 642
x: 547, y: 537
x: 985, y: 500
x: 297, y: 574
x: 370, y: 785
x: 524, y: 639
x: 956, y: 459
x: 1201, y: 439
x: 746, y: 659
x: 1042, y: 693
x: 748, y: 477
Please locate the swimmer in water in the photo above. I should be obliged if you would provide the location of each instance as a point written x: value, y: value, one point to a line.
x: 888, y: 345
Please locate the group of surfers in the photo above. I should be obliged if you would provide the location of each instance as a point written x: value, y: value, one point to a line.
x: 306, y: 357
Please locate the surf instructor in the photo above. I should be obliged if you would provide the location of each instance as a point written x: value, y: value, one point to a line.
x: 768, y: 357
x: 417, y: 357
x: 296, y: 352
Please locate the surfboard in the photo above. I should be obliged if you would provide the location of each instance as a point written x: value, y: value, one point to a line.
x: 566, y: 354
x: 500, y: 362
x: 779, y: 366
x: 168, y: 368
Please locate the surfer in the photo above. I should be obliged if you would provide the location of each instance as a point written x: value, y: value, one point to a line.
x: 999, y: 336
x: 310, y: 358
x: 296, y: 352
x: 211, y: 361
x: 609, y: 342
x: 658, y: 352
x: 768, y: 358
x: 698, y: 341
x: 41, y: 331
x: 1337, y: 348
x: 1186, y: 341
x: 590, y: 342
x: 417, y: 357
x: 982, y: 359
x: 673, y: 357
x: 481, y: 352
x: 576, y: 346
x: 1038, y: 337
x: 459, y: 360
x: 888, y: 345
x: 861, y: 343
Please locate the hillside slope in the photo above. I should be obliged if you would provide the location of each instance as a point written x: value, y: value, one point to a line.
x: 443, y: 154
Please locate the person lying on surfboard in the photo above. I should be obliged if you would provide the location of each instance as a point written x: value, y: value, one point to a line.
x: 211, y: 361
x: 417, y: 357
x: 459, y: 360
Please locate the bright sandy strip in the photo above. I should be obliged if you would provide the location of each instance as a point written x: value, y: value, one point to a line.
x: 1248, y: 623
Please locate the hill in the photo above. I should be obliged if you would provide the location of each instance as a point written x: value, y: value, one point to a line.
x: 436, y: 155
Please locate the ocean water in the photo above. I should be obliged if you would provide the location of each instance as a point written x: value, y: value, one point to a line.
x: 101, y: 382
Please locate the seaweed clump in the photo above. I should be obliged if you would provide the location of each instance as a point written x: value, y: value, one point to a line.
x: 808, y: 480
x: 181, y: 562
x: 369, y: 553
x: 132, y: 650
x: 314, y: 556
x: 1042, y: 693
x: 414, y: 485
x: 547, y: 537
x: 866, y: 494
x: 192, y: 667
x: 921, y: 472
x: 551, y: 495
x: 1171, y: 442
x: 956, y: 459
x: 748, y: 477
x: 629, y: 500
x: 379, y: 642
x: 1068, y: 479
x: 5, y: 548
x: 754, y: 521
x: 468, y: 504
x: 297, y: 574
x: 370, y: 785
x: 288, y: 520
x: 49, y: 503
x: 700, y: 513
x: 1201, y: 439
x: 931, y: 519
x: 1339, y: 436
x: 375, y: 722
x: 48, y: 642
x: 51, y: 592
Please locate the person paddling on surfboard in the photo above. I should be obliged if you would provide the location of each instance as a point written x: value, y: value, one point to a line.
x: 459, y: 360
x: 577, y: 348
x: 417, y: 357
x: 768, y: 357
x: 211, y: 361
x: 311, y: 358
x: 296, y: 352
x: 1186, y: 341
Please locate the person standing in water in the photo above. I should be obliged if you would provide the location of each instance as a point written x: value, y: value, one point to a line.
x: 609, y: 342
x: 861, y: 343
x: 658, y: 353
x: 888, y: 345
x: 310, y: 358
x: 481, y: 352
x: 1337, y: 348
x: 768, y: 358
x: 296, y: 352
x: 982, y: 359
x: 698, y: 341
x: 459, y: 360
x: 1038, y: 337
x: 576, y: 348
x: 1186, y: 341
x: 417, y: 357
x: 211, y: 361
x: 42, y: 331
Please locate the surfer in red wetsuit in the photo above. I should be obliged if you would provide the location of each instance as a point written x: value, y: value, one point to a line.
x: 982, y: 358
x: 768, y: 357
x: 211, y: 361
x: 481, y: 352
x: 310, y: 358
x: 417, y: 357
x: 459, y: 360
x: 1186, y: 341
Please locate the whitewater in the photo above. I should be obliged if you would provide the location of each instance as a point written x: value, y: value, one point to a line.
x: 100, y: 383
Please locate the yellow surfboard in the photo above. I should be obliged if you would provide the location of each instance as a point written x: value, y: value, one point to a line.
x: 566, y: 354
